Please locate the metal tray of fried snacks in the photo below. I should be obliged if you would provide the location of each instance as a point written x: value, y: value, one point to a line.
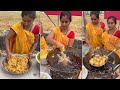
x: 17, y: 65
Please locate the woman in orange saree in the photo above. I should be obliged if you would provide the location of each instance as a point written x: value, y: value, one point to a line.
x: 23, y: 36
x: 111, y: 37
x: 62, y: 36
x: 94, y: 30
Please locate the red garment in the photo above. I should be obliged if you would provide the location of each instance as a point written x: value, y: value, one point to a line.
x: 71, y: 35
x: 102, y: 25
x: 117, y: 33
x: 36, y: 29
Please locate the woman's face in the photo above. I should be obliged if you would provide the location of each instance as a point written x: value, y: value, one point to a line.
x: 111, y: 24
x: 65, y: 22
x: 27, y: 21
x: 94, y: 19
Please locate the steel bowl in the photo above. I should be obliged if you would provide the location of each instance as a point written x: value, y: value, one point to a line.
x: 5, y: 61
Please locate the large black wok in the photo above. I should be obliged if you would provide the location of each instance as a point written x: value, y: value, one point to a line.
x: 59, y: 71
x: 105, y: 70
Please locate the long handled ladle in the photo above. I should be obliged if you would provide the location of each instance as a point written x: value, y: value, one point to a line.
x: 111, y: 52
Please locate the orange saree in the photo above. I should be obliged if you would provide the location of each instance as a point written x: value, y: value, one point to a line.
x: 95, y: 34
x: 23, y: 40
x: 109, y: 42
x: 60, y: 37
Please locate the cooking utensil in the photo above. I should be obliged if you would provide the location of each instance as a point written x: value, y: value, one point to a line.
x: 105, y: 70
x: 93, y: 55
x: 38, y: 57
x: 114, y: 68
x: 59, y: 71
x: 111, y: 52
x: 5, y: 61
x: 63, y: 58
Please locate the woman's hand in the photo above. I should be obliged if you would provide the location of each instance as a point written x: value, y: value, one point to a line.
x: 117, y: 46
x: 9, y: 55
x: 59, y: 45
x: 30, y: 55
x: 91, y: 49
x: 102, y: 46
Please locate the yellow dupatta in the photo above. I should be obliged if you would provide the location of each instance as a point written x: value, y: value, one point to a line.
x: 60, y: 37
x: 95, y: 34
x: 23, y: 40
x: 109, y: 42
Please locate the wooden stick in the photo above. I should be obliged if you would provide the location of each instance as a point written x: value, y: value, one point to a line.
x: 84, y: 20
x: 51, y: 20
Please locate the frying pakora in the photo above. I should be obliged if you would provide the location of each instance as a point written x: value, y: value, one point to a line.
x: 98, y: 60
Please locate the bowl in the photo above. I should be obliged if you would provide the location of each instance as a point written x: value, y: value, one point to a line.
x: 5, y: 62
x: 44, y: 75
x: 38, y: 57
x: 84, y: 72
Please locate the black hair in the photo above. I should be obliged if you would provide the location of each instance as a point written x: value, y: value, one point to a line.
x: 113, y: 18
x: 66, y: 13
x: 31, y: 14
x: 96, y: 13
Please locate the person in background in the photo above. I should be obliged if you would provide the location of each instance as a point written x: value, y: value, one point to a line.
x: 111, y: 37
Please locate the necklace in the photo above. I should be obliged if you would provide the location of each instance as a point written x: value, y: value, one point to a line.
x: 29, y: 28
x: 111, y: 31
x: 64, y: 31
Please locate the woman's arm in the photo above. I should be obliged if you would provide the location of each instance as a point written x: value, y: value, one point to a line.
x: 7, y: 42
x: 87, y: 39
x: 35, y: 43
x: 117, y: 46
x: 50, y: 39
x: 70, y: 43
x: 88, y: 43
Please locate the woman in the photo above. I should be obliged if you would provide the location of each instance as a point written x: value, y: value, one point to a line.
x: 62, y: 35
x: 111, y: 37
x: 23, y: 36
x: 94, y: 31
